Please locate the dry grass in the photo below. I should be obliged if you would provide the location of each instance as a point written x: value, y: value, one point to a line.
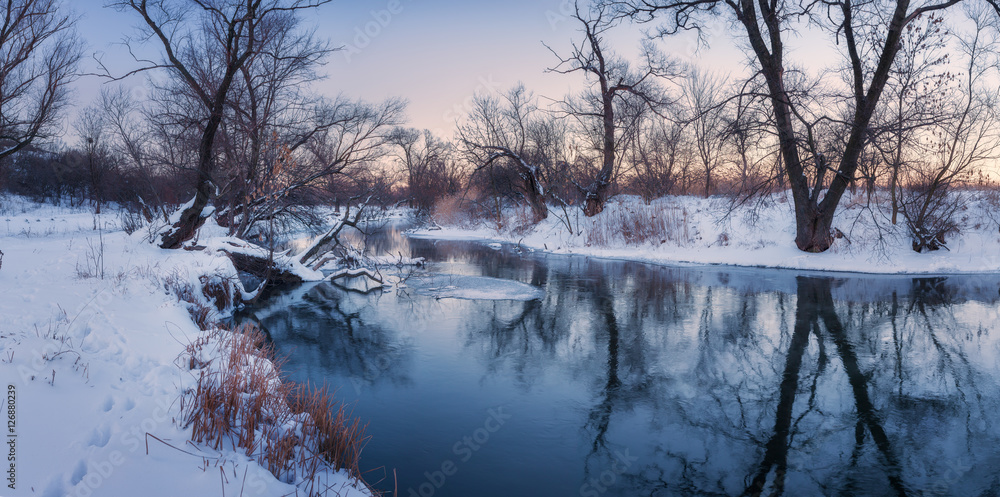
x: 334, y: 434
x: 201, y: 315
x: 451, y: 210
x: 219, y: 291
x: 638, y: 225
x: 242, y: 402
x: 464, y: 211
x: 217, y: 294
x: 521, y: 220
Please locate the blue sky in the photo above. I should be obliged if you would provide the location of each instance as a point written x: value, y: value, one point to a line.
x: 434, y: 53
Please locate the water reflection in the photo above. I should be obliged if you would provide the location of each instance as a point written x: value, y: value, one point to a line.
x: 630, y: 379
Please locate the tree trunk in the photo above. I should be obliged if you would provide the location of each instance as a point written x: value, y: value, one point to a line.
x: 331, y: 239
x: 892, y: 192
x: 594, y: 198
x: 191, y: 218
x: 597, y: 193
x: 813, y: 228
x: 533, y: 194
x: 813, y: 218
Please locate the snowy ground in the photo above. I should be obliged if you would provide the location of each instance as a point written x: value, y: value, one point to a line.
x: 694, y: 230
x: 89, y: 344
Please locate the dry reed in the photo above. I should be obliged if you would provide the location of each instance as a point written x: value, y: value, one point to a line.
x: 242, y: 402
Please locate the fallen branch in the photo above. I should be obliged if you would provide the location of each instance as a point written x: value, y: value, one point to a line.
x: 330, y: 240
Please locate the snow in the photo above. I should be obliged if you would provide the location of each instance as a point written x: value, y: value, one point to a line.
x: 281, y: 260
x: 92, y: 329
x: 90, y: 341
x: 694, y: 230
x: 473, y: 288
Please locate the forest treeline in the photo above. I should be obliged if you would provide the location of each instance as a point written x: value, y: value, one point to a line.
x: 224, y: 123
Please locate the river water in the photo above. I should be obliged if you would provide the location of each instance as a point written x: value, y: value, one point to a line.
x: 627, y: 379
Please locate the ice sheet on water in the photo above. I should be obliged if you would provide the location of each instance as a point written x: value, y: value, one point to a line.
x: 474, y: 288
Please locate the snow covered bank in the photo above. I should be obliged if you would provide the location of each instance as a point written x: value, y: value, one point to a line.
x: 692, y: 230
x: 91, y: 342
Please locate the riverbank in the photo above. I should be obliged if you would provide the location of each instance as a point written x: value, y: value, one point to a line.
x: 92, y: 340
x: 694, y: 230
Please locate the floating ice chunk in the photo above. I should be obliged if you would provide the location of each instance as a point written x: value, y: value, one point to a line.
x: 474, y: 288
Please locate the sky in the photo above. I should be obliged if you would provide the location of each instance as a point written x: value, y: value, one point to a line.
x: 434, y: 53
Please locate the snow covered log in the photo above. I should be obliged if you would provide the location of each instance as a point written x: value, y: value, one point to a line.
x: 271, y: 267
x: 263, y: 268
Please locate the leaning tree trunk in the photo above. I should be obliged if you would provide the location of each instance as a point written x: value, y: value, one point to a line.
x: 191, y: 218
x: 535, y: 198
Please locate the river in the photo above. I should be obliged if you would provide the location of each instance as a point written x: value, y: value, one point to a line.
x: 627, y: 379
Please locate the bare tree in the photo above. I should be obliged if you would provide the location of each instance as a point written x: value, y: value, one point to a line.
x: 614, y: 85
x: 39, y: 53
x: 962, y: 141
x: 425, y: 161
x: 129, y: 135
x: 705, y: 102
x: 341, y: 138
x: 660, y: 159
x: 916, y: 101
x: 269, y: 116
x: 205, y: 45
x: 752, y: 147
x: 498, y: 134
x: 869, y: 37
x: 349, y: 141
x: 92, y: 129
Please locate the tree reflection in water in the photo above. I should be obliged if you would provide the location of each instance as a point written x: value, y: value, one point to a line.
x: 735, y: 382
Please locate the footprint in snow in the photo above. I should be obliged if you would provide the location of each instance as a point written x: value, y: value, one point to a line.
x: 100, y: 436
x: 55, y: 488
x: 78, y: 473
